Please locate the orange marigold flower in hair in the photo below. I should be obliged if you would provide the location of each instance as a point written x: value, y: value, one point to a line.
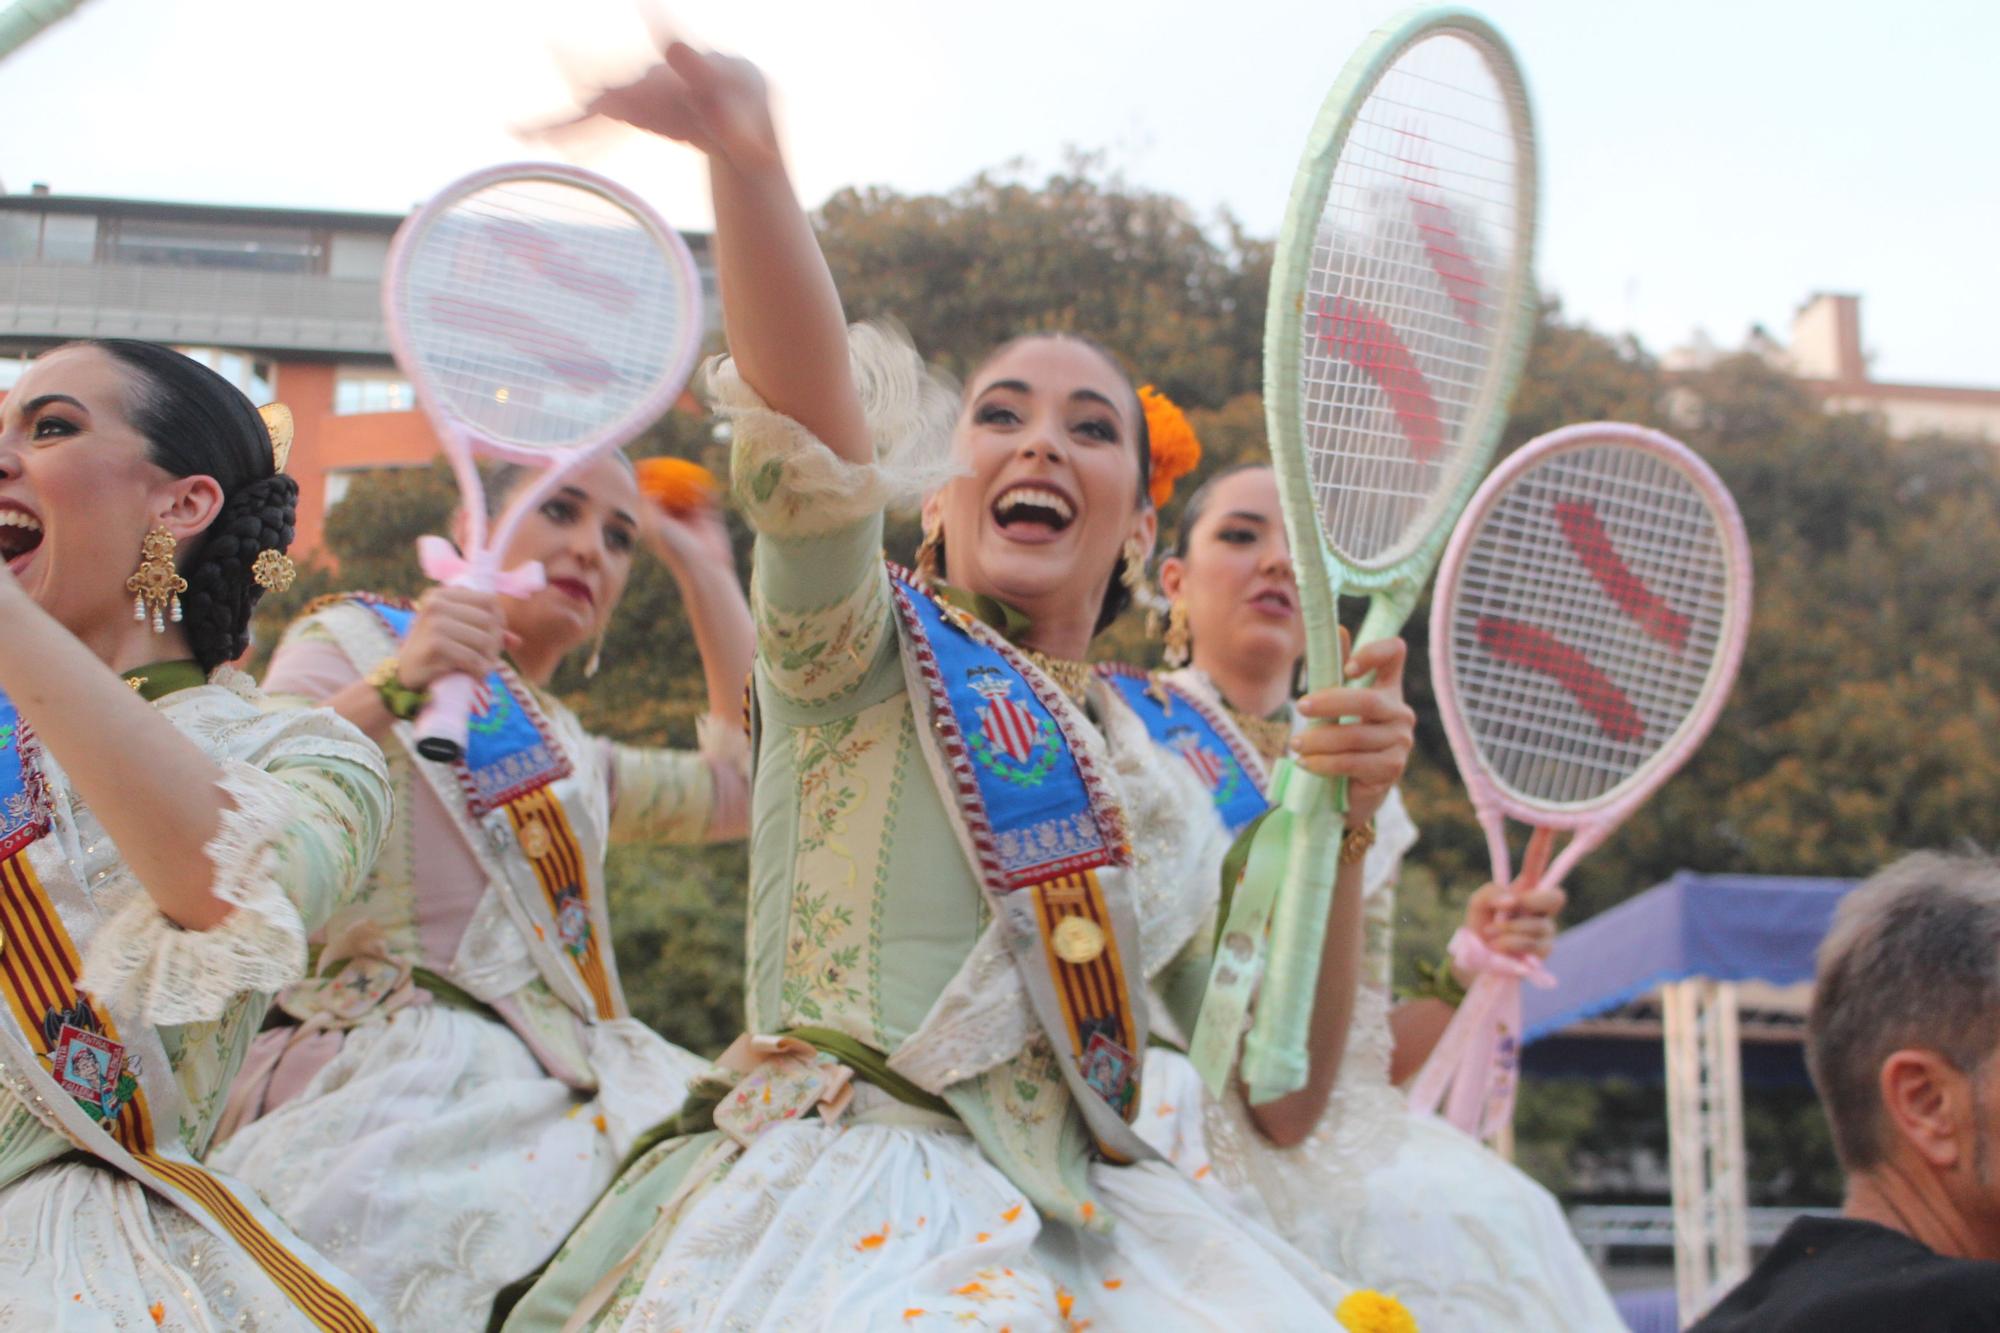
x: 677, y: 485
x: 1174, y: 446
x: 1374, y: 1312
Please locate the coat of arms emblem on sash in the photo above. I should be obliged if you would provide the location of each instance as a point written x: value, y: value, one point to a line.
x: 1219, y: 773
x: 1011, y: 742
x: 88, y: 1065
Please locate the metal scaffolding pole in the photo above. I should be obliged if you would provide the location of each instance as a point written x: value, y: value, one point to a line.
x: 1705, y: 1141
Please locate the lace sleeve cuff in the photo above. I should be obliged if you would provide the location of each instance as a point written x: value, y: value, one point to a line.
x: 142, y: 963
x: 791, y: 485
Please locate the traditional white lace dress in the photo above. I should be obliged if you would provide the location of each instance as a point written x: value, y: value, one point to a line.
x: 82, y: 1246
x: 454, y: 1099
x: 866, y: 919
x: 1386, y: 1199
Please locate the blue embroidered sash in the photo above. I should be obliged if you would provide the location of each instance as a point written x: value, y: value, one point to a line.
x: 507, y: 753
x: 23, y: 815
x: 1180, y: 722
x: 1041, y: 825
x: 510, y: 761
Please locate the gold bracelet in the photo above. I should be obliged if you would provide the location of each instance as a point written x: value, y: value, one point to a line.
x: 1354, y: 843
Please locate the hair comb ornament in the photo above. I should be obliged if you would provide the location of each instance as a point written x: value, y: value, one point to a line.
x: 278, y: 421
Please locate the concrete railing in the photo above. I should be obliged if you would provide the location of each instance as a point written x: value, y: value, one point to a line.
x: 298, y: 312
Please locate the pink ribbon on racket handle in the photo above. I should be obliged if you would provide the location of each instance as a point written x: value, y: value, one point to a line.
x: 441, y: 727
x: 1476, y: 1064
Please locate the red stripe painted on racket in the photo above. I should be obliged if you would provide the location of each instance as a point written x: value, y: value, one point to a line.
x: 529, y: 245
x: 563, y: 356
x: 1367, y: 342
x: 1539, y: 650
x: 1586, y: 536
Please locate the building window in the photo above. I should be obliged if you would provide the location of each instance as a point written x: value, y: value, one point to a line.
x: 215, y: 245
x: 248, y: 373
x: 54, y: 238
x: 359, y: 391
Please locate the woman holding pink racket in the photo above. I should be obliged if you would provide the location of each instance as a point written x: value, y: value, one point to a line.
x: 457, y: 1082
x: 1384, y: 1197
x: 967, y: 861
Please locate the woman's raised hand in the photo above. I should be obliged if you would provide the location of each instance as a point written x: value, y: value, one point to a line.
x: 1372, y: 750
x: 716, y: 103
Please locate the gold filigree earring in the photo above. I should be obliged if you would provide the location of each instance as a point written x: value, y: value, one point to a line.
x: 156, y: 586
x: 927, y: 553
x: 1179, y: 644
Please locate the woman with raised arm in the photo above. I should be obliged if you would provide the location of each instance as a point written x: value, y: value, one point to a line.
x: 166, y: 843
x: 1386, y: 1198
x: 965, y: 864
x: 458, y: 1081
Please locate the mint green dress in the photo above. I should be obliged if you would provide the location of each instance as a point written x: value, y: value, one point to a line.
x: 971, y: 1195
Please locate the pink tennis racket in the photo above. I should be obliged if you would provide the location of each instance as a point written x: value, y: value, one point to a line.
x: 544, y: 315
x: 1590, y: 616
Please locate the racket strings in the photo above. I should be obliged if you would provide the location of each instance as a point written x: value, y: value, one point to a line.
x: 541, y: 314
x: 1592, y: 606
x: 1410, y: 292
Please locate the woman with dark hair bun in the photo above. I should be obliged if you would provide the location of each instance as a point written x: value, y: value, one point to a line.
x: 166, y: 844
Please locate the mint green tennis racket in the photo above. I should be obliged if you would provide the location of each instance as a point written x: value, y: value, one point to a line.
x: 1402, y: 302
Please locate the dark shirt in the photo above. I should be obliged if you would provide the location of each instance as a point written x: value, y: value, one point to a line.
x: 1837, y: 1275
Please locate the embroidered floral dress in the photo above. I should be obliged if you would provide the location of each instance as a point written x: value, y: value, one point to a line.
x: 463, y: 1078
x: 84, y: 1245
x: 1388, y: 1200
x: 968, y: 1196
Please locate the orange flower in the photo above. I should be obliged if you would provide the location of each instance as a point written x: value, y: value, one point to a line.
x: 914, y: 1312
x: 158, y: 1309
x: 874, y: 1242
x: 1113, y: 1283
x: 677, y: 485
x: 1175, y: 449
x: 1012, y: 1214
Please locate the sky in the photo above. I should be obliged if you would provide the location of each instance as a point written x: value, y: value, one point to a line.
x: 1708, y: 164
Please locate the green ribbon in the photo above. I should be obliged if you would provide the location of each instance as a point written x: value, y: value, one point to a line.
x: 159, y: 679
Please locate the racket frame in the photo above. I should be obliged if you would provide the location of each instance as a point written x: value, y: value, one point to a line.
x: 1589, y: 822
x: 1275, y: 1060
x: 441, y: 727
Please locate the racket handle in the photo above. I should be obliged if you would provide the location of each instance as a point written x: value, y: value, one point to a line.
x: 441, y: 727
x: 1276, y: 1061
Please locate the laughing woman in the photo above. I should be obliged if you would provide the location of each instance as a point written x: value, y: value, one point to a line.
x: 1386, y: 1198
x: 460, y: 1078
x: 166, y: 843
x: 965, y: 863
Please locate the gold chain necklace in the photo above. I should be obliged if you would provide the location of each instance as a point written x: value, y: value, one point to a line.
x: 1072, y: 678
x: 1271, y: 737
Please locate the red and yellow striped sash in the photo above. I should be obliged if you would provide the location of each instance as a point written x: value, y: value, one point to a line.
x: 39, y: 966
x: 542, y: 827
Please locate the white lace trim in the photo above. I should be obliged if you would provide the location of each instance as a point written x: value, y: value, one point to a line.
x: 142, y: 964
x: 909, y: 411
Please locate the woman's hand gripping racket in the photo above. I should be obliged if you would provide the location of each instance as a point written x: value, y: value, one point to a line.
x: 544, y: 315
x: 1589, y: 619
x: 1402, y: 300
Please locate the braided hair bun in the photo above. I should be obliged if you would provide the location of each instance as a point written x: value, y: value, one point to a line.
x: 199, y: 424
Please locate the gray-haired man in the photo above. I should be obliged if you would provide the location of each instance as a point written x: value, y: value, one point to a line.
x: 1902, y: 1038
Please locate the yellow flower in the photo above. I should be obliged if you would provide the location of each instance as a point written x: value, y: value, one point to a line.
x: 1174, y: 447
x: 1373, y: 1312
x: 677, y: 485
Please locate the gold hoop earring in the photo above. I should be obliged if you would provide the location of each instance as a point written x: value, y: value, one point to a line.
x: 156, y: 586
x: 1179, y: 643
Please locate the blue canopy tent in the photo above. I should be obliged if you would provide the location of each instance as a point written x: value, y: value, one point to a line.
x: 1680, y: 977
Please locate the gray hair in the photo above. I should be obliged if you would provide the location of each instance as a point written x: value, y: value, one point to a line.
x: 1912, y: 962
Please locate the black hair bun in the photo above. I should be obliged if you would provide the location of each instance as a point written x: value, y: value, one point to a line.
x: 222, y: 594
